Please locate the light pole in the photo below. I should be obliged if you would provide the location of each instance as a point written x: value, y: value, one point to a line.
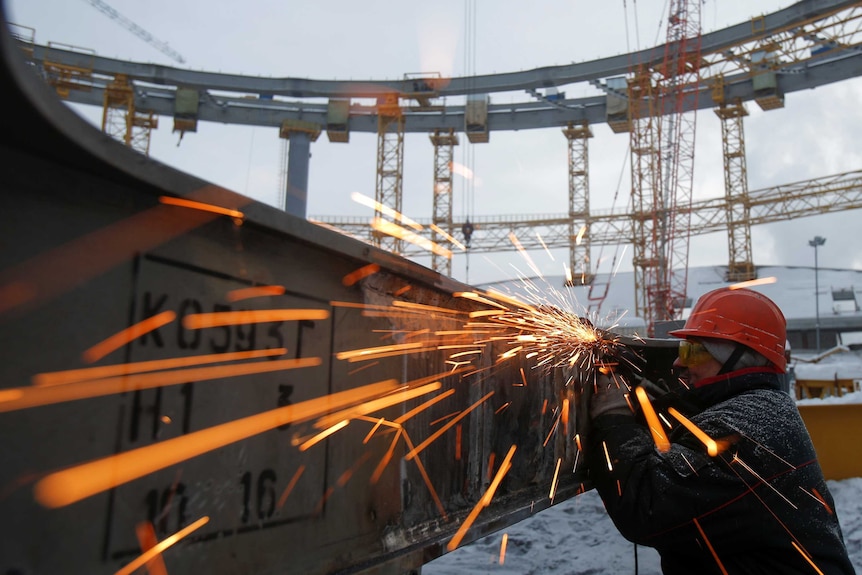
x: 815, y: 243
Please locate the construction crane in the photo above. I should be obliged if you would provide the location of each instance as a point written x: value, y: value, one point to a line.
x: 137, y: 30
x: 662, y: 163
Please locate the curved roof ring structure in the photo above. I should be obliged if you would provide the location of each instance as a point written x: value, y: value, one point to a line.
x: 809, y: 44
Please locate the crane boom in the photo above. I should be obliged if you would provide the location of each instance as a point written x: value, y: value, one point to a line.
x: 137, y: 30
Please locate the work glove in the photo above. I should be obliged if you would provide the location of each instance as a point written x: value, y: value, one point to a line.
x: 609, y: 397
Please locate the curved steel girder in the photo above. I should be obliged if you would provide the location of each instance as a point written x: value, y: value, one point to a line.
x: 220, y: 102
x: 715, y: 42
x: 516, y: 116
x: 830, y: 194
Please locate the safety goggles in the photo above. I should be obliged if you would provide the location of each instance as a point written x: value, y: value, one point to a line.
x: 692, y: 353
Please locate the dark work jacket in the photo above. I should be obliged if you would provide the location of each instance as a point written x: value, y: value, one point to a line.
x: 756, y: 507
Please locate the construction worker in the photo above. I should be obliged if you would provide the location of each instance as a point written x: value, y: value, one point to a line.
x: 748, y: 496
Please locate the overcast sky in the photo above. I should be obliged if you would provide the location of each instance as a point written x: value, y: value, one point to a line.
x: 816, y: 134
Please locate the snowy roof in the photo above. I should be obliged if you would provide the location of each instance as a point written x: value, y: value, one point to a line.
x: 793, y: 290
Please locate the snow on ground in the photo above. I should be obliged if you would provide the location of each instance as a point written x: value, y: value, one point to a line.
x: 576, y: 537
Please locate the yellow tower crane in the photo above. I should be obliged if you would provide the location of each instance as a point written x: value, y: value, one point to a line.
x: 120, y: 119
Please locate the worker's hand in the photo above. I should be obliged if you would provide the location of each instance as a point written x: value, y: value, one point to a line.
x: 609, y: 397
x: 654, y: 389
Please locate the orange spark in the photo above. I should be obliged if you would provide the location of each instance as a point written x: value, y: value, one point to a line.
x: 578, y: 441
x: 580, y: 235
x: 485, y: 313
x: 554, y: 480
x: 348, y: 473
x: 10, y: 395
x: 414, y: 452
x: 439, y: 419
x: 565, y: 411
x: 458, y: 442
x: 360, y: 368
x: 751, y: 283
x: 471, y: 295
x: 127, y: 335
x: 420, y: 408
x: 658, y: 434
x: 513, y: 301
x: 503, y: 548
x: 524, y: 379
x: 70, y: 485
x: 324, y: 434
x: 318, y: 509
x: 607, y: 456
x: 709, y: 545
x: 424, y: 307
x: 184, y: 203
x: 505, y: 466
x: 708, y: 442
x: 360, y: 274
x: 290, y: 485
x: 396, y: 231
x: 360, y: 354
x: 383, y: 209
x: 502, y: 407
x: 806, y: 557
x: 160, y: 547
x: 517, y: 243
x: 427, y: 479
x: 73, y: 375
x: 547, y: 251
x: 222, y: 318
x: 373, y: 429
x: 660, y: 415
x: 461, y: 170
x: 39, y: 396
x: 491, y: 459
x: 252, y: 292
x: 387, y: 457
x: 553, y: 428
x: 147, y: 539
x: 377, y: 404
x: 483, y: 502
x: 401, y: 291
x: 822, y: 500
x: 448, y: 237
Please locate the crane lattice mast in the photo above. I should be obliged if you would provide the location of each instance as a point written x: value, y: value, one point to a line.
x: 663, y: 166
x: 111, y: 13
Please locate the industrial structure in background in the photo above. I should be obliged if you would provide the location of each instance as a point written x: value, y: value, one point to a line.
x: 662, y: 165
x: 652, y: 94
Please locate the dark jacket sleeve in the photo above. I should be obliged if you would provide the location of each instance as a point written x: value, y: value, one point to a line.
x: 752, y: 501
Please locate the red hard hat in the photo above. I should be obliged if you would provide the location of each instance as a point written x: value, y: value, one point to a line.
x: 743, y: 316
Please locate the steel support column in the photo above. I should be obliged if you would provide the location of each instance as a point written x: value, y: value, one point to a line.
x: 294, y: 165
x: 580, y: 269
x: 390, y: 164
x: 444, y: 143
x: 740, y: 266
